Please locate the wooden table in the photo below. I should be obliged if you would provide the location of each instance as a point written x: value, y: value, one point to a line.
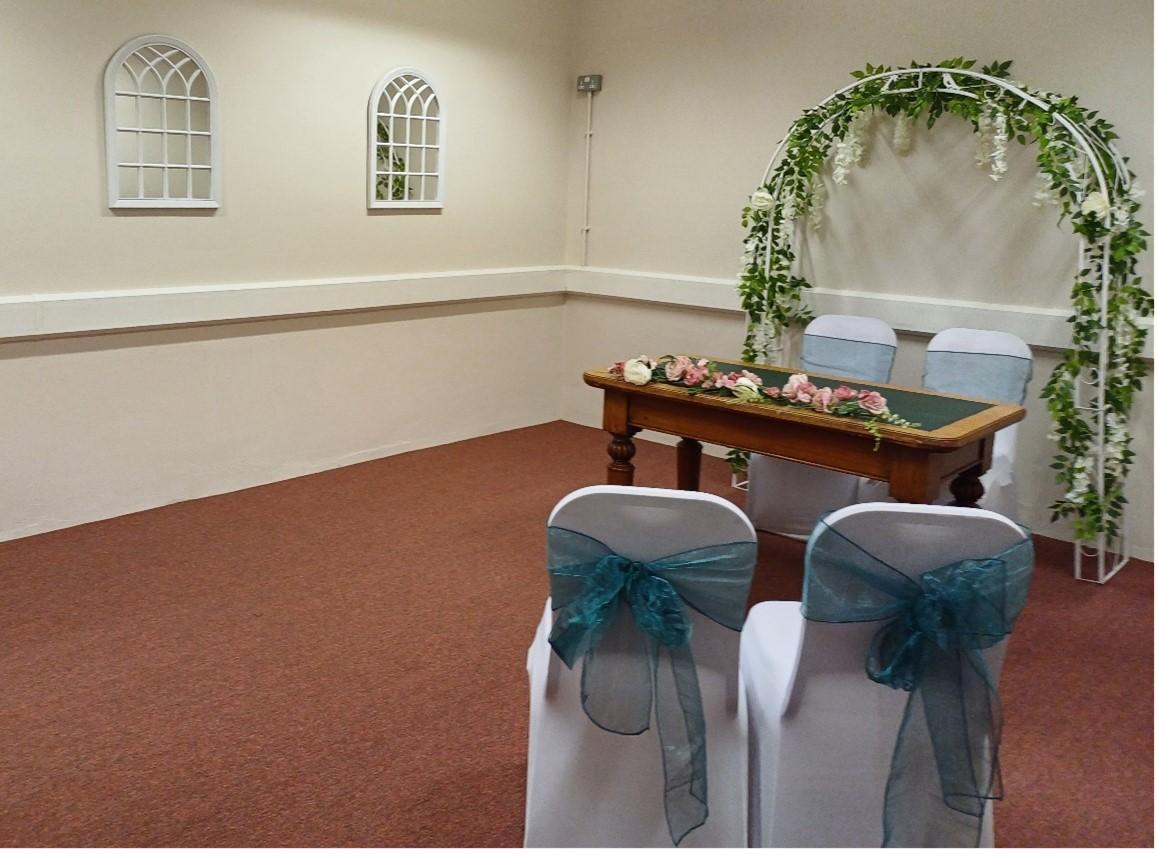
x: 956, y: 437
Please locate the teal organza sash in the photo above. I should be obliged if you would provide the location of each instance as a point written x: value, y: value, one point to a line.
x: 629, y: 622
x: 937, y: 645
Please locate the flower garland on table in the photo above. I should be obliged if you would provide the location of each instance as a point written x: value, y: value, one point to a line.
x: 1104, y: 217
x: 699, y: 375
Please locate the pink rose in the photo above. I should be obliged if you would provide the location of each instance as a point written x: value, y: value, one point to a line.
x: 802, y: 392
x: 695, y: 375
x: 794, y: 382
x: 674, y: 369
x: 772, y: 391
x: 726, y: 381
x: 873, y: 402
x: 617, y: 368
x: 844, y: 393
x: 755, y: 378
x: 823, y: 400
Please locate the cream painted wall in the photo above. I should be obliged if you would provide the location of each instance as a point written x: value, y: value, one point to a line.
x: 697, y: 94
x: 107, y: 425
x: 294, y: 78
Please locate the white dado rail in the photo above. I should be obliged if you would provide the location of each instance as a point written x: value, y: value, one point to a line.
x: 33, y: 316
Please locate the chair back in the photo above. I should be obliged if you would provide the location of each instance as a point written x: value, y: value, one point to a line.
x: 839, y: 728
x: 980, y: 363
x: 983, y: 364
x: 588, y: 784
x: 851, y: 346
x: 646, y: 523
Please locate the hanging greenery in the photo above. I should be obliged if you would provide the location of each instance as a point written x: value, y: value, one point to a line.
x: 1105, y: 219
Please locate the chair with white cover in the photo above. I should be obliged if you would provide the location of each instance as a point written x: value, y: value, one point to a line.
x: 900, y: 636
x: 786, y: 497
x: 686, y: 559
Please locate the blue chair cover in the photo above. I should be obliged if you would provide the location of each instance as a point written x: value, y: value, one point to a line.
x: 628, y: 620
x: 869, y: 361
x: 997, y: 377
x: 935, y: 646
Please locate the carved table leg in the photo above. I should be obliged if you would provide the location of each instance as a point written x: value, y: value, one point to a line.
x: 620, y: 470
x: 688, y: 453
x: 967, y: 489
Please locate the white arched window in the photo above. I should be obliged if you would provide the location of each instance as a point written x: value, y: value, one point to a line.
x: 162, y: 148
x: 406, y: 133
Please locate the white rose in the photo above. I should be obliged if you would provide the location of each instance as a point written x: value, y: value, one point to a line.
x: 1096, y: 203
x: 638, y: 371
x: 762, y: 200
x: 747, y: 391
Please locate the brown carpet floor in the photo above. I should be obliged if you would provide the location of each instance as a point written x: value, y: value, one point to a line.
x: 339, y: 660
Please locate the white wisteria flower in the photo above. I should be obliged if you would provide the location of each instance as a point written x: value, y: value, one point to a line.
x: 992, y: 141
x: 819, y: 199
x: 850, y: 149
x: 1046, y: 193
x: 903, y: 134
x: 1096, y: 203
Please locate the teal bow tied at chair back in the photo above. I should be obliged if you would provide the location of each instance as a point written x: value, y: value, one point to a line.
x: 629, y: 622
x: 941, y: 630
x: 871, y: 361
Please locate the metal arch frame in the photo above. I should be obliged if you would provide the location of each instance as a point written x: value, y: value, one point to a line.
x: 1106, y: 566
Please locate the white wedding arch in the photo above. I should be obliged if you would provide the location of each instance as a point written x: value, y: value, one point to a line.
x: 1090, y: 393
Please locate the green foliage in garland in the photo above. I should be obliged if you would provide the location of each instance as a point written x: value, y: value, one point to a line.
x: 1106, y: 220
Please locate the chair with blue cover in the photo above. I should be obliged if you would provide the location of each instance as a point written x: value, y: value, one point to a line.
x: 786, y: 497
x: 872, y: 706
x: 984, y: 364
x: 638, y: 732
x: 987, y: 364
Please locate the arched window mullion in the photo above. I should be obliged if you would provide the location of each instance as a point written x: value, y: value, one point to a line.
x: 169, y: 156
x: 405, y: 158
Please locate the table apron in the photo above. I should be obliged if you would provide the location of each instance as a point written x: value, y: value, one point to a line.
x: 834, y: 450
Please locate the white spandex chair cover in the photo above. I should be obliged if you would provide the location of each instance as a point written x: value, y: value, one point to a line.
x: 786, y: 497
x: 986, y: 364
x: 587, y: 787
x: 822, y: 733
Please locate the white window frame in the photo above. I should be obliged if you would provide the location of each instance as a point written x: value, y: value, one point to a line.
x: 372, y: 145
x: 112, y: 161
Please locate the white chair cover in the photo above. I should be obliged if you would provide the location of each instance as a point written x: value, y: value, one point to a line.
x: 822, y: 733
x: 786, y: 497
x: 587, y: 787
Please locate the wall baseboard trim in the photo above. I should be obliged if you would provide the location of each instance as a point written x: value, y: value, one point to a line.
x: 232, y: 480
x: 33, y: 316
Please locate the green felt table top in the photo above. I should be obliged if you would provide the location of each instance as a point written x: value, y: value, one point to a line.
x: 927, y: 408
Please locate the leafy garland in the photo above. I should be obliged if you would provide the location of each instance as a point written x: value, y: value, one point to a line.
x: 771, y: 293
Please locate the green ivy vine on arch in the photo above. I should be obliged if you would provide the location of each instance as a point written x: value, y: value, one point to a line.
x: 795, y: 193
